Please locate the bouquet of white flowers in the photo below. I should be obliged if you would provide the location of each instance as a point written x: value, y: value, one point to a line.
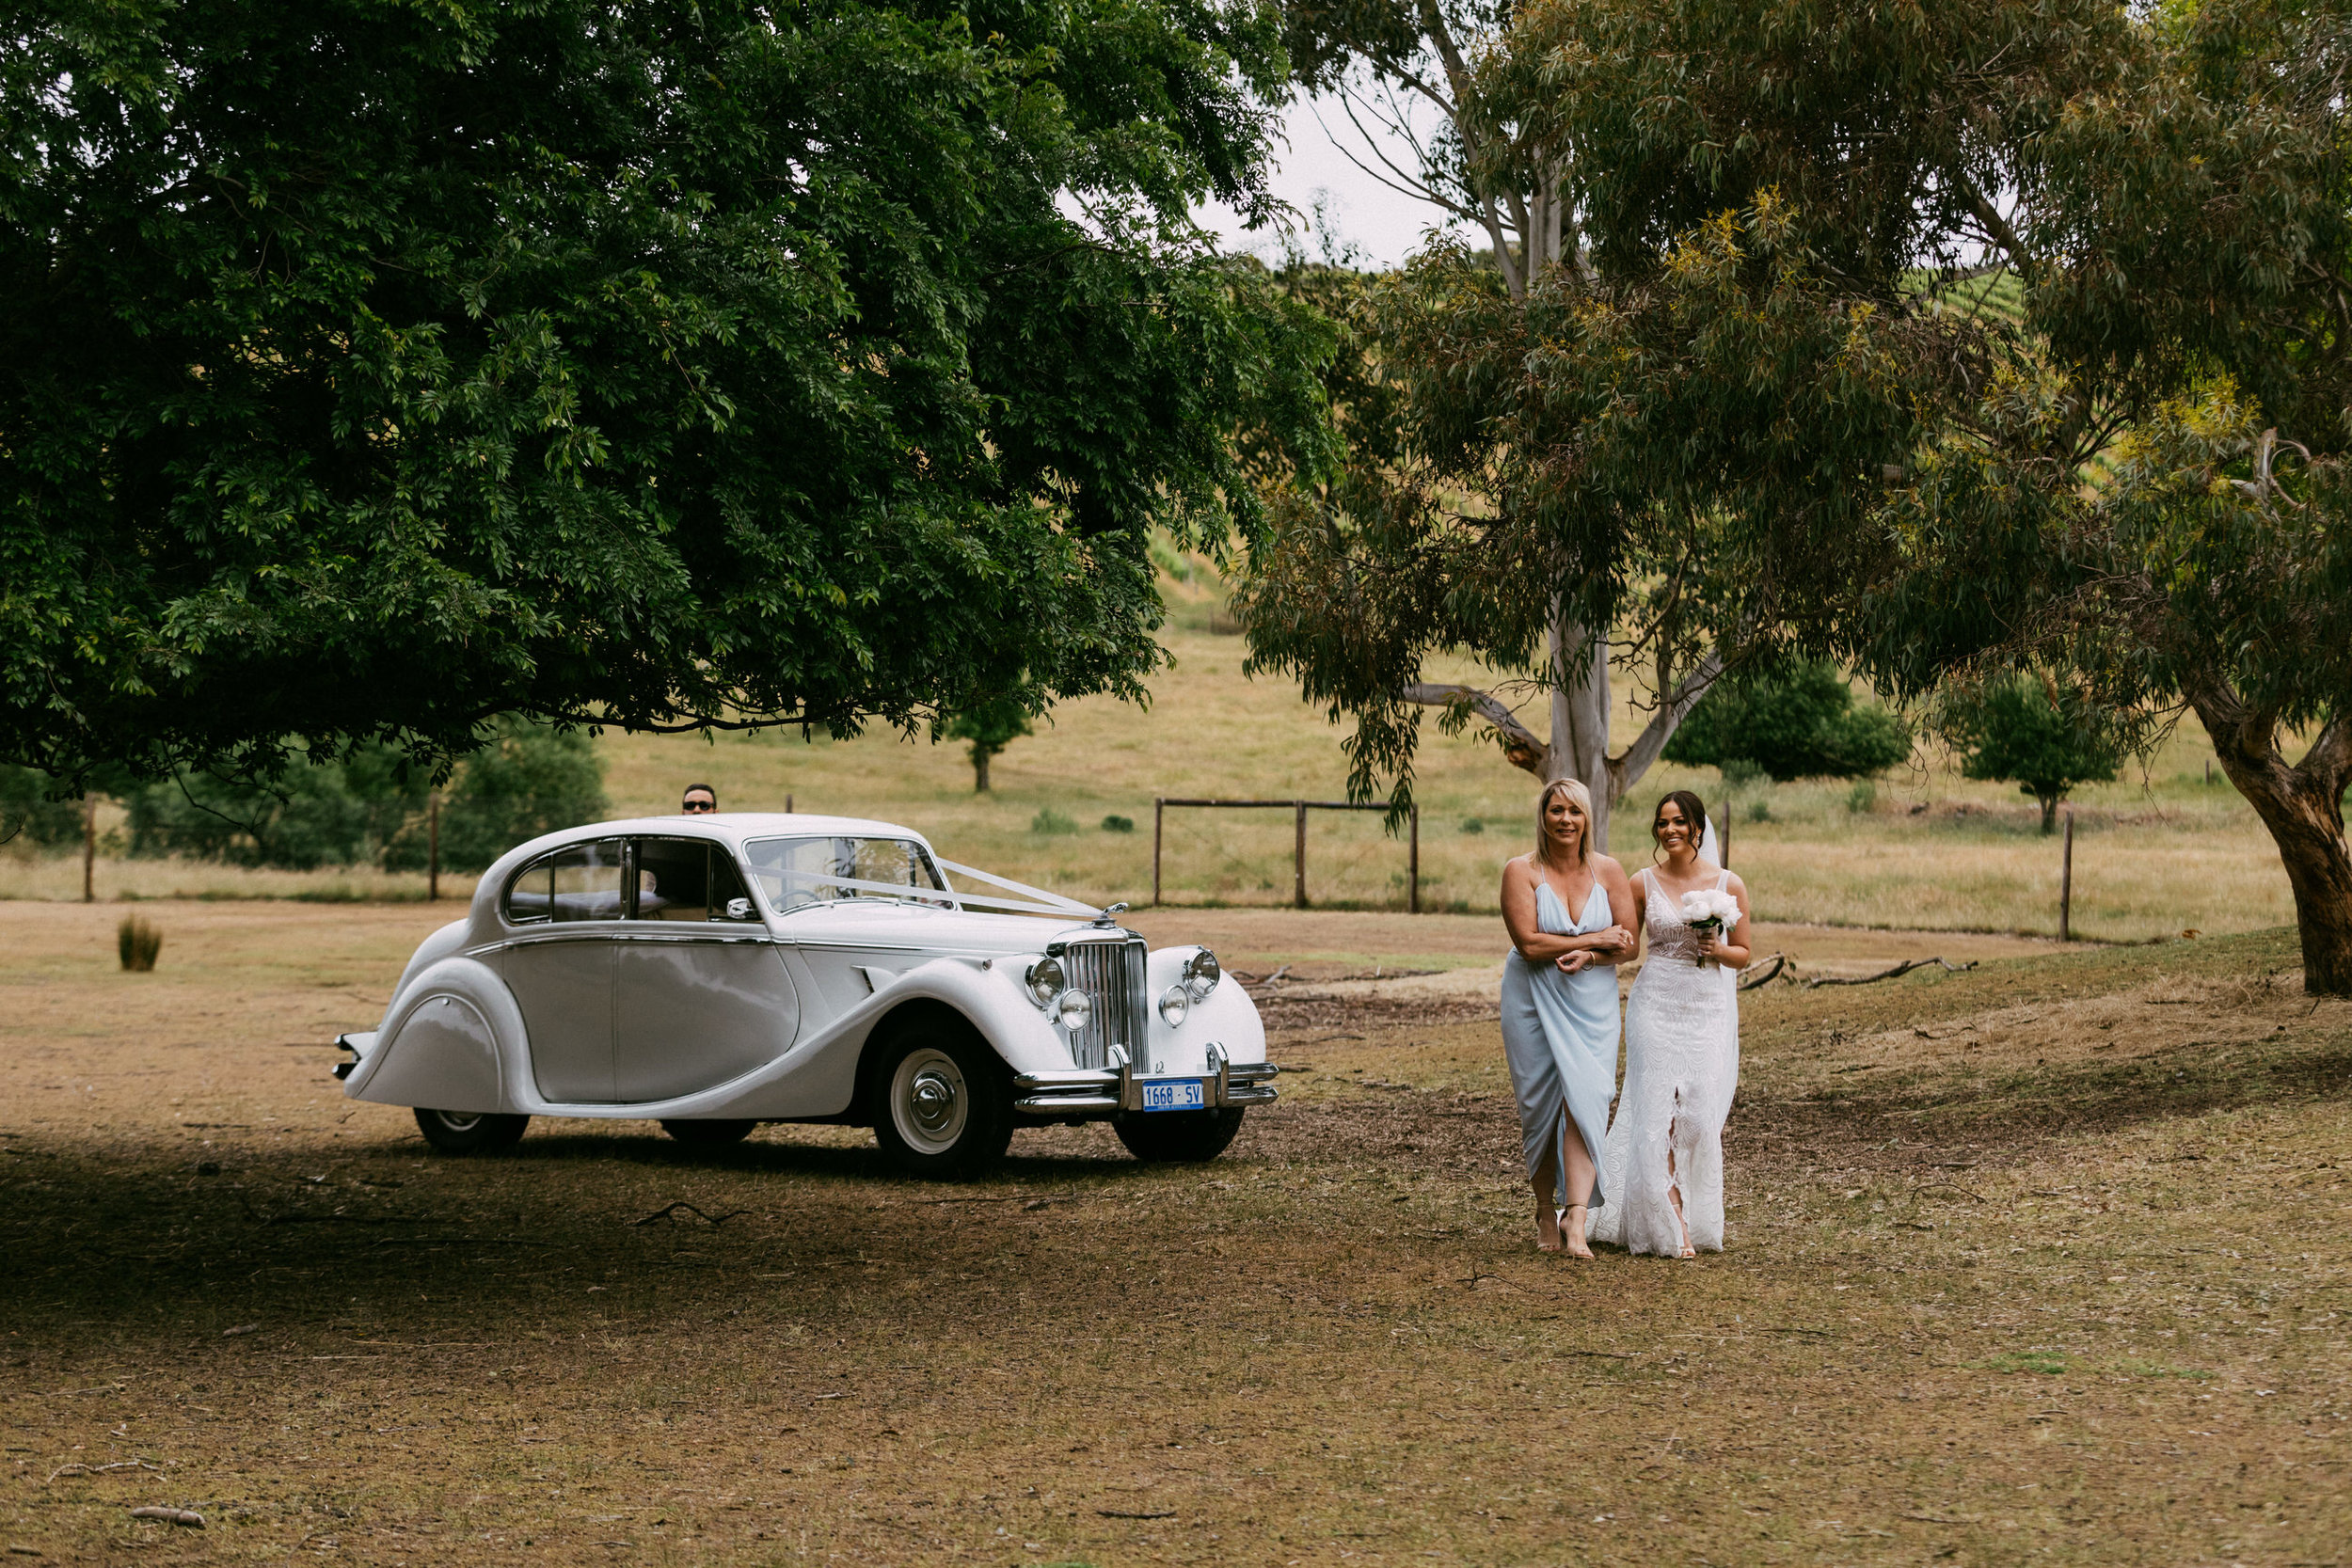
x: 1709, y: 911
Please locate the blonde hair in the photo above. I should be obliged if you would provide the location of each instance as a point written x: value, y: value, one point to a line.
x: 1582, y: 799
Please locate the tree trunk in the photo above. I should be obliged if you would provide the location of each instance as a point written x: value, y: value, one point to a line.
x: 979, y: 770
x: 2049, y: 814
x: 1580, y: 718
x: 2303, y: 808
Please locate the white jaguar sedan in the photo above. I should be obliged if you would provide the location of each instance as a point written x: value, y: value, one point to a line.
x: 718, y: 972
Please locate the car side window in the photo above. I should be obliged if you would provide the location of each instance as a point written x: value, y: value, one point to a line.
x: 673, y: 879
x: 587, y: 882
x: 726, y: 885
x: 530, y: 896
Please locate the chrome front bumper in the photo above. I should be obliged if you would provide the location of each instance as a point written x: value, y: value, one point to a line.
x: 1119, y: 1087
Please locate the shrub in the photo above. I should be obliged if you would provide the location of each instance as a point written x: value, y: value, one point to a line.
x: 300, y: 816
x: 26, y: 809
x: 1863, y: 796
x: 1759, y: 810
x: 1118, y: 824
x: 1473, y: 826
x: 1792, y: 721
x: 527, y: 781
x: 1048, y: 821
x: 137, y: 942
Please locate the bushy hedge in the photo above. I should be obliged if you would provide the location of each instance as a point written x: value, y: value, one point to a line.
x: 371, y: 807
x: 1797, y: 720
x: 28, y: 812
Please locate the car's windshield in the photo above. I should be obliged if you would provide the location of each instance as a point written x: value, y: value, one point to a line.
x: 794, y: 873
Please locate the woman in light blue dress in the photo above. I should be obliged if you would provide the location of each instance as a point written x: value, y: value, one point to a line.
x: 1570, y: 914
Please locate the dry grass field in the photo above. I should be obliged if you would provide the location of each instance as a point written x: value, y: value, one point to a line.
x: 2041, y: 1262
x: 2158, y: 851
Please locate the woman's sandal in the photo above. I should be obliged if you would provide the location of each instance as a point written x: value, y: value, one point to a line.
x: 1552, y: 1246
x: 1583, y: 1249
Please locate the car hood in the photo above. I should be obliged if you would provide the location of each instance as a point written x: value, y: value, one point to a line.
x: 865, y: 921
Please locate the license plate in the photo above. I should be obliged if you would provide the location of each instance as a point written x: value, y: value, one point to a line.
x: 1174, y: 1094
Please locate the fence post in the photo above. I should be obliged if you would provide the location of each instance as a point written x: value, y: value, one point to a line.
x: 89, y: 849
x: 2066, y: 881
x: 1413, y: 866
x: 1299, y: 888
x: 1723, y: 849
x: 433, y: 849
x: 1159, y: 816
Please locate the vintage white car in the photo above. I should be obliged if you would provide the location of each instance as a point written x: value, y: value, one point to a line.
x: 717, y: 971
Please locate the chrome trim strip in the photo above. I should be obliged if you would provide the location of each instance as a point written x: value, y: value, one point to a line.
x: 1051, y: 1106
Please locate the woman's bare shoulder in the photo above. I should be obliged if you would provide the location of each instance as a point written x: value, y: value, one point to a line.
x: 1520, y: 865
x: 1608, y: 868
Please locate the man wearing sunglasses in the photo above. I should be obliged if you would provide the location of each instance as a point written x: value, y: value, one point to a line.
x: 699, y: 798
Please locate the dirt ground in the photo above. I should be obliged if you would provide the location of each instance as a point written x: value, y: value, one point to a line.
x: 2043, y: 1262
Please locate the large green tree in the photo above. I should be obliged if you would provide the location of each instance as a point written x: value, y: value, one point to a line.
x: 2137, y: 484
x: 371, y: 369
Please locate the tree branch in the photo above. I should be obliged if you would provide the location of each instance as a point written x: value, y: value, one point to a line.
x: 1625, y: 771
x: 1520, y: 744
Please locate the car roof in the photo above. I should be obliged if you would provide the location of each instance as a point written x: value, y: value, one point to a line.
x: 738, y: 826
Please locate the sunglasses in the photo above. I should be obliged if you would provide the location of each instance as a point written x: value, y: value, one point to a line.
x: 699, y: 805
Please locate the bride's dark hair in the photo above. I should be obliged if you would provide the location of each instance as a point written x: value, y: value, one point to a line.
x: 1693, y: 812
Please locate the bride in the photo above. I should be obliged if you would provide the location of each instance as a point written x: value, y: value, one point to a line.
x: 1662, y: 1161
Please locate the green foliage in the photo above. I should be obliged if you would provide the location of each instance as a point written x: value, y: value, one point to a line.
x: 1863, y: 797
x: 991, y: 726
x: 371, y: 806
x: 1048, y: 821
x: 527, y: 781
x: 2048, y: 739
x: 300, y: 815
x: 1115, y: 823
x: 373, y: 367
x: 27, y: 809
x: 1792, y: 721
x: 1473, y: 824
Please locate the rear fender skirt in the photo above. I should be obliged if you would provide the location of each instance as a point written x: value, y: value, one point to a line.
x: 452, y: 1041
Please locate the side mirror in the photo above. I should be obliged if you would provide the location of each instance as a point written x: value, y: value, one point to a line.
x: 739, y: 908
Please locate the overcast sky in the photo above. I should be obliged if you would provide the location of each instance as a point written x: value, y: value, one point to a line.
x: 1384, y: 224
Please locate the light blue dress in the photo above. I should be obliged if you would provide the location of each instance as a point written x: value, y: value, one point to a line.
x: 1560, y: 1035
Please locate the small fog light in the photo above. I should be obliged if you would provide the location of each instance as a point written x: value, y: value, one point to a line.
x: 1174, y: 1005
x: 1072, y: 1010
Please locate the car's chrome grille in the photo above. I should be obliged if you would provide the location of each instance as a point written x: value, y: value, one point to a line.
x: 1111, y: 975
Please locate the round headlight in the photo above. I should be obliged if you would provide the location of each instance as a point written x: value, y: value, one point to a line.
x: 1174, y: 1005
x: 1044, y: 979
x: 1202, y: 974
x: 1071, y: 1009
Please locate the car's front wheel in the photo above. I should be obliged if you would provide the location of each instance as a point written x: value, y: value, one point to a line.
x: 708, y: 1133
x: 469, y: 1132
x: 1178, y: 1138
x: 945, y: 1107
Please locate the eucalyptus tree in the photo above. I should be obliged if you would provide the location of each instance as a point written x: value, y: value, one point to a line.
x: 372, y: 369
x: 1676, y: 445
x: 2137, y: 492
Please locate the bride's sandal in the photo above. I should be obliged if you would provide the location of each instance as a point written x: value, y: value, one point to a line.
x: 1573, y: 1241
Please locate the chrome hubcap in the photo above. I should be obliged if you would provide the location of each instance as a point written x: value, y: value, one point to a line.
x: 456, y: 1123
x: 929, y: 1102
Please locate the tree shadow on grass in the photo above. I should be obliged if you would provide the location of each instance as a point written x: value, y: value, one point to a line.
x: 2016, y: 1112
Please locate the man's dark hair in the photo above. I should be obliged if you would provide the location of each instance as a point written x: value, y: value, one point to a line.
x: 705, y: 788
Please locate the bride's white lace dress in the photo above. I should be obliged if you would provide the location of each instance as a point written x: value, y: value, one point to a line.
x: 1682, y: 1067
